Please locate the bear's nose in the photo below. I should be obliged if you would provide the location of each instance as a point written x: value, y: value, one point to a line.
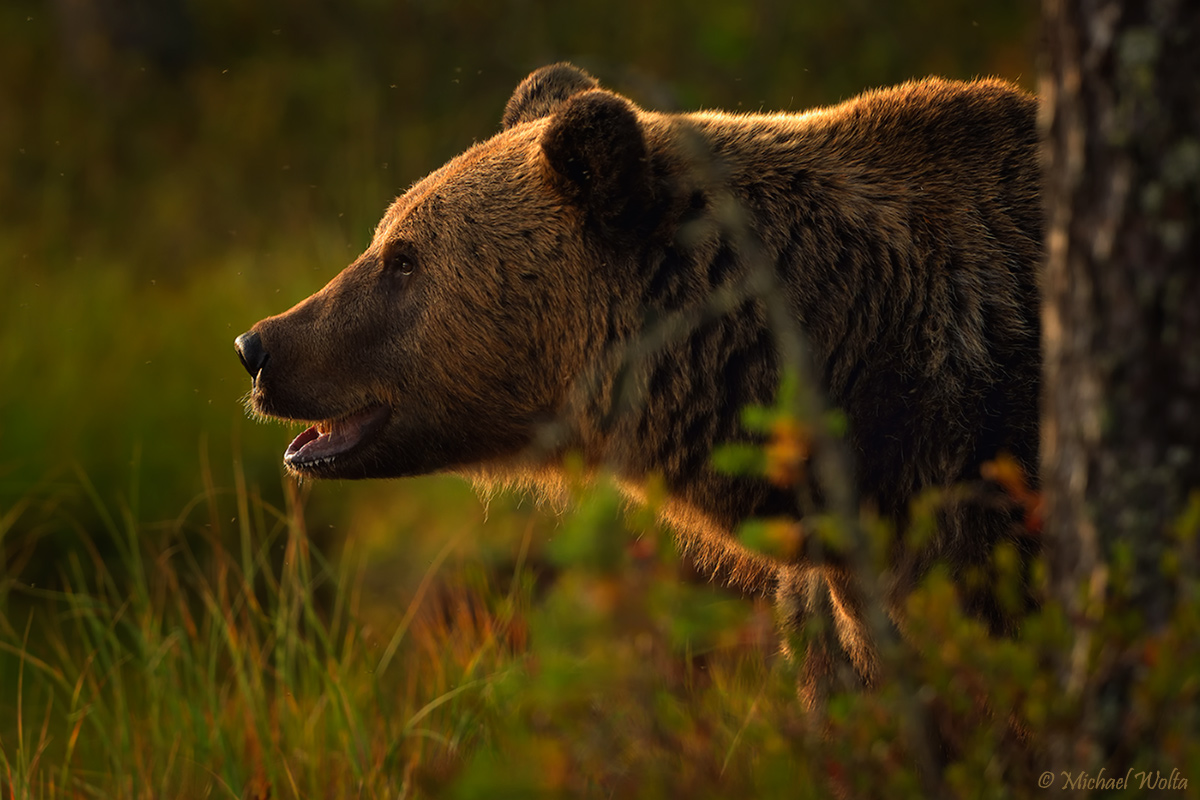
x: 250, y: 350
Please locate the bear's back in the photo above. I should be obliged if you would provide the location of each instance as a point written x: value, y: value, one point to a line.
x: 904, y: 229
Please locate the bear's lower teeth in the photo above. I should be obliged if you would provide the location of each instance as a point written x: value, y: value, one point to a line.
x: 324, y: 441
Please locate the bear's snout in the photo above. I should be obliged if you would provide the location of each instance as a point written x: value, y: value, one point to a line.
x: 252, y: 353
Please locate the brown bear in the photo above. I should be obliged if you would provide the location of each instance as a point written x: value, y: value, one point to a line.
x: 605, y: 281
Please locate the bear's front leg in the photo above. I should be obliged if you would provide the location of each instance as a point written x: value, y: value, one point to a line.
x: 822, y: 617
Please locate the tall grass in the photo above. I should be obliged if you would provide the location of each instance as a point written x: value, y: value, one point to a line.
x: 592, y: 665
x: 190, y: 670
x: 184, y: 667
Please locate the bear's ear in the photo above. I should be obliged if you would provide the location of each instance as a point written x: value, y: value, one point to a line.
x: 594, y: 145
x: 544, y: 91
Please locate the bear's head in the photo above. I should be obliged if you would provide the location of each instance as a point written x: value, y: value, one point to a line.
x: 459, y: 335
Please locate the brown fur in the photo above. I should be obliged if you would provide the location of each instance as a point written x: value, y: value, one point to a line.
x: 551, y: 291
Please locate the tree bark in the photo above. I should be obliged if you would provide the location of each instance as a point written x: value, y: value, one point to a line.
x: 1121, y: 318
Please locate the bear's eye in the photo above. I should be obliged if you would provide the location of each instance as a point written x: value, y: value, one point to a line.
x: 399, y: 262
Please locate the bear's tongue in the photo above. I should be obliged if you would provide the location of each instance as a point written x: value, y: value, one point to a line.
x: 335, y: 437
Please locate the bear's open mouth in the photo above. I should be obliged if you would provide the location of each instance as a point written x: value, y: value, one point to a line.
x: 325, y: 441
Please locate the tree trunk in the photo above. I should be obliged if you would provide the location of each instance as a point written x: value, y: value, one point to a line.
x: 1121, y: 409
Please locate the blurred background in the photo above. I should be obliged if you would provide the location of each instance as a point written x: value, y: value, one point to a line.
x: 174, y: 171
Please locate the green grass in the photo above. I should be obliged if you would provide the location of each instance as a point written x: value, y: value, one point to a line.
x: 576, y: 658
x: 191, y: 670
x: 183, y: 668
